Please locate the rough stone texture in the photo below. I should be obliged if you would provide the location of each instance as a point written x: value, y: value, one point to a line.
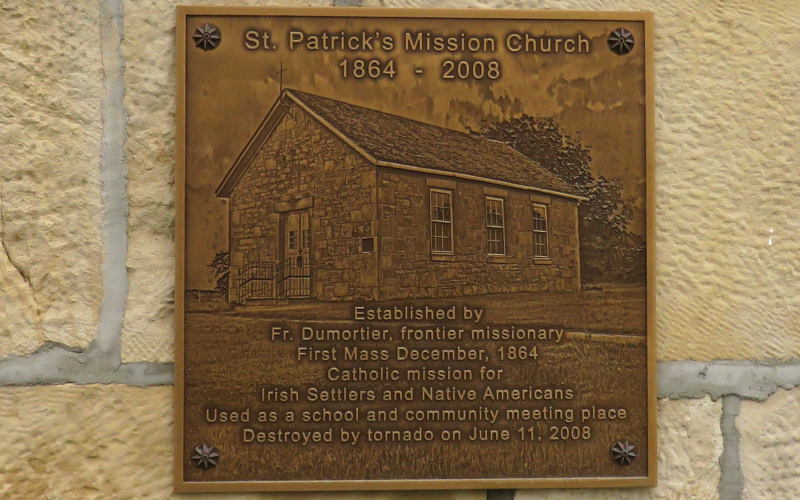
x: 690, y: 443
x: 408, y: 269
x: 125, y: 451
x: 149, y: 51
x: 50, y: 136
x: 726, y: 176
x: 316, y: 165
x: 769, y: 446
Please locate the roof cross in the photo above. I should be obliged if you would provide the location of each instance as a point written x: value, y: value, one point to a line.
x: 282, y: 104
x: 280, y: 73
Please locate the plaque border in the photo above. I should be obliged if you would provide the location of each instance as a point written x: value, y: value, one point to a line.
x: 182, y: 12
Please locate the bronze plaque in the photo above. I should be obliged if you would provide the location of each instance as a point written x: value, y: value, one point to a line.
x: 414, y: 249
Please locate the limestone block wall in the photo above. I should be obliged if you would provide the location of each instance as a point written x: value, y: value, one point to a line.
x: 86, y: 267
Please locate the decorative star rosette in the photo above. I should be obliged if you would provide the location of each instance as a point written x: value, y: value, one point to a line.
x: 620, y: 41
x: 623, y: 452
x: 205, y: 456
x: 207, y: 36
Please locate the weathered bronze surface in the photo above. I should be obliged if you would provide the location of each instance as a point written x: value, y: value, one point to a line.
x: 414, y: 249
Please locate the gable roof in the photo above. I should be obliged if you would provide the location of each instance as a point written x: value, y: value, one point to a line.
x: 394, y: 141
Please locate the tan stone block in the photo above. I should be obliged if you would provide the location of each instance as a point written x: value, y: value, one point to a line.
x: 50, y: 201
x: 149, y: 50
x: 727, y: 182
x: 690, y: 444
x: 110, y: 441
x: 769, y: 446
x: 85, y: 441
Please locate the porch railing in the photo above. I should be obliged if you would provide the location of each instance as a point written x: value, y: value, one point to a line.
x: 257, y: 281
x: 294, y: 277
x: 267, y: 280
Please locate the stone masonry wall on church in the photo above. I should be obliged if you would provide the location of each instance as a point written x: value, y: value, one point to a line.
x: 302, y: 159
x: 85, y: 74
x: 408, y: 269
